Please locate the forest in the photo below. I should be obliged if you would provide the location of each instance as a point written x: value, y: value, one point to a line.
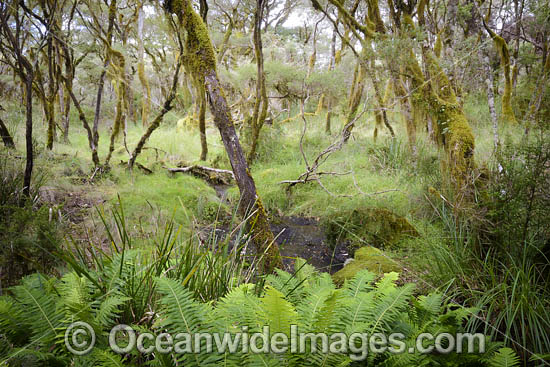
x: 176, y: 170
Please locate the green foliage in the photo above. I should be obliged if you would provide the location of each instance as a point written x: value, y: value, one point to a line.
x: 519, y: 197
x: 28, y: 233
x: 505, y: 279
x: 371, y: 226
x: 505, y: 357
x: 48, y: 306
x: 367, y: 258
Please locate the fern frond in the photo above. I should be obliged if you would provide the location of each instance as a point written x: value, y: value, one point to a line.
x: 290, y: 285
x: 304, y: 272
x: 362, y: 282
x: 262, y: 360
x: 12, y: 321
x: 180, y: 313
x: 279, y: 312
x: 504, y: 357
x: 38, y: 308
x: 389, y: 307
x: 431, y: 303
x: 105, y: 358
x: 240, y: 308
x: 109, y: 310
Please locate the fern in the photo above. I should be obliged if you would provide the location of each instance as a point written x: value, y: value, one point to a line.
x: 38, y: 309
x: 279, y: 313
x: 308, y: 299
x: 505, y: 357
x: 181, y: 313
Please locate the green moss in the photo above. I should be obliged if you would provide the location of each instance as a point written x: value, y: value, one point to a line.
x: 367, y: 258
x: 372, y: 226
x: 265, y: 241
x: 507, y: 111
x: 199, y: 50
x: 438, y: 45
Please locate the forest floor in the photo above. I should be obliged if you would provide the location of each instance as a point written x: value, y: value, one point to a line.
x: 379, y: 175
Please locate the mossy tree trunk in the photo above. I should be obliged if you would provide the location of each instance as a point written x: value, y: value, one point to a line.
x: 118, y: 65
x: 145, y: 88
x: 50, y: 20
x: 536, y: 98
x: 82, y: 117
x: 262, y: 102
x: 201, y: 94
x: 226, y: 37
x: 158, y: 120
x: 203, y: 65
x: 502, y: 47
x: 490, y: 96
x: 451, y: 126
x: 332, y: 65
x: 101, y: 83
x: 49, y: 98
x: 354, y: 100
x: 64, y: 97
x: 24, y: 68
x: 67, y: 79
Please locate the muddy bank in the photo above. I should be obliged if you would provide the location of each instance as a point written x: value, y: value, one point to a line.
x: 305, y: 238
x: 297, y: 237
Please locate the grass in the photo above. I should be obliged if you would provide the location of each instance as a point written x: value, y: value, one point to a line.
x: 377, y: 166
x: 445, y: 255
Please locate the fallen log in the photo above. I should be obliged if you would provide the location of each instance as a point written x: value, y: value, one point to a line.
x: 213, y: 176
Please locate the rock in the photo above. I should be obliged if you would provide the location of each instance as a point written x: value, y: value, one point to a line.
x: 372, y: 226
x: 369, y: 258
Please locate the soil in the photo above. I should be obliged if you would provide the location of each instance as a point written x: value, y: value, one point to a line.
x: 305, y: 238
x: 297, y: 237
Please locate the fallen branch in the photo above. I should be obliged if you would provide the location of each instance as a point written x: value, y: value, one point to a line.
x: 213, y: 176
x: 311, y: 173
x: 313, y: 177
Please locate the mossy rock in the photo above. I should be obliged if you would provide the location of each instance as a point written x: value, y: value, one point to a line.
x: 369, y: 258
x: 371, y: 226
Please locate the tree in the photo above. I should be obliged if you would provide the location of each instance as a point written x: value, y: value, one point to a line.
x: 502, y: 47
x: 202, y: 62
x: 5, y: 134
x: 262, y: 102
x: 12, y: 46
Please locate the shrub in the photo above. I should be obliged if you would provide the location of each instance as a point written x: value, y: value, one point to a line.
x: 28, y: 236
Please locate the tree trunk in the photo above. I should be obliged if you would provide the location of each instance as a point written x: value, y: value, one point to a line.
x: 354, y: 100
x: 226, y: 37
x: 502, y: 47
x: 260, y: 115
x: 120, y: 90
x: 82, y: 117
x: 101, y: 84
x: 536, y: 98
x: 203, y: 65
x: 331, y: 68
x: 146, y: 90
x: 28, y: 136
x: 156, y: 122
x: 202, y: 121
x: 490, y: 97
x: 6, y: 137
